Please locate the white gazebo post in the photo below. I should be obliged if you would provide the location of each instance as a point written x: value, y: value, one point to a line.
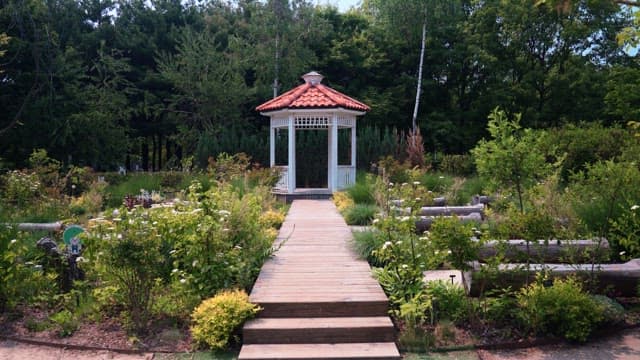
x: 291, y: 164
x: 333, y: 154
x: 313, y: 106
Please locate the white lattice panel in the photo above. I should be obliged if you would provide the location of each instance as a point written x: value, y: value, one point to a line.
x: 312, y: 122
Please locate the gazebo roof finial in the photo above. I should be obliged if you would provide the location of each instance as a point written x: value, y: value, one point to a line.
x: 313, y: 78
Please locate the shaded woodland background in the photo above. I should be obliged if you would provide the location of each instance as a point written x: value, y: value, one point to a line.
x: 164, y: 83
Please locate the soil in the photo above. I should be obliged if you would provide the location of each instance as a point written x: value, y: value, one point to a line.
x: 106, y: 334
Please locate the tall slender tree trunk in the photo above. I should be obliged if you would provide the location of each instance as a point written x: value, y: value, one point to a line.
x: 144, y: 149
x: 419, y: 87
x: 276, y: 69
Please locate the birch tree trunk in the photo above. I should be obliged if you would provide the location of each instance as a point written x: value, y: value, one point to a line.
x: 419, y: 87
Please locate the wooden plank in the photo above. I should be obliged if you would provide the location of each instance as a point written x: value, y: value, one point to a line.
x: 373, y: 351
x: 315, y: 290
x: 319, y: 330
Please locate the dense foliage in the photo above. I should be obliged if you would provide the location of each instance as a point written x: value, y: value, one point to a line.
x: 150, y: 84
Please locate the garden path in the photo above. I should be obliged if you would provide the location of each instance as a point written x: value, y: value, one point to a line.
x: 319, y: 300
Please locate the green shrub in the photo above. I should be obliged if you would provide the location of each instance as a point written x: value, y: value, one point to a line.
x: 612, y: 312
x: 133, y: 259
x: 452, y: 236
x: 66, y: 322
x: 215, y: 319
x: 449, y: 300
x: 603, y: 193
x: 436, y: 182
x: 360, y: 214
x: 626, y: 233
x: 22, y: 278
x: 563, y: 309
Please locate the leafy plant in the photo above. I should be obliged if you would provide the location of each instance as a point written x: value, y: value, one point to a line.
x: 452, y: 236
x: 66, y: 322
x: 360, y: 214
x: 215, y: 319
x: 563, y: 309
x: 511, y: 158
x: 449, y: 300
x: 626, y: 232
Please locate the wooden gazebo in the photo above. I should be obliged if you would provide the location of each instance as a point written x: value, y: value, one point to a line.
x: 313, y: 106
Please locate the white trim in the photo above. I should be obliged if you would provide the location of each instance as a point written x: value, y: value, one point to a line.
x: 296, y: 111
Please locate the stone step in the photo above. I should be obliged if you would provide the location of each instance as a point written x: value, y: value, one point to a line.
x: 353, y: 351
x: 273, y: 307
x: 318, y: 330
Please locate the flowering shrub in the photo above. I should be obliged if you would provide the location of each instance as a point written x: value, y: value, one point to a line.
x: 626, y: 232
x: 21, y: 187
x: 214, y: 241
x: 22, y: 280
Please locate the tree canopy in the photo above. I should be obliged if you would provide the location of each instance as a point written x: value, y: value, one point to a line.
x: 104, y: 83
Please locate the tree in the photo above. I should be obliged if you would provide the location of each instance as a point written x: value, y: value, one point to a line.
x: 511, y: 158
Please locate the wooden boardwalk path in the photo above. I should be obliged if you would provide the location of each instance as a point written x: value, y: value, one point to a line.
x: 319, y: 301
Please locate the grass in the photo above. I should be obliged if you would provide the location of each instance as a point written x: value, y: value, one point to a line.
x: 360, y: 214
x: 362, y: 192
x: 364, y: 242
x: 437, y: 182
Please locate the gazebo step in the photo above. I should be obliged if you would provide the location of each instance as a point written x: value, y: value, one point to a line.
x: 353, y: 351
x: 318, y: 330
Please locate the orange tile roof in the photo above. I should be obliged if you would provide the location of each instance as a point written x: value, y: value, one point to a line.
x: 312, y: 96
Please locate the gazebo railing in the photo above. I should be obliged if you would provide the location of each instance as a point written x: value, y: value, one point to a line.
x: 283, y: 183
x: 346, y: 176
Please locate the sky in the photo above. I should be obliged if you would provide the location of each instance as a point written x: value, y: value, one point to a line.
x: 343, y: 5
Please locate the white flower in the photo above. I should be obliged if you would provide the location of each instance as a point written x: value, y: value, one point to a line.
x: 386, y: 245
x: 224, y: 212
x: 115, y: 213
x: 634, y: 207
x: 183, y: 281
x: 119, y: 237
x: 418, y: 199
x: 404, y: 184
x: 441, y: 177
x: 622, y: 253
x: 423, y: 238
x: 390, y: 184
x: 38, y: 267
x: 416, y: 183
x: 375, y: 221
x: 225, y: 230
x: 448, y: 252
x: 14, y: 241
x: 174, y: 271
x: 194, y: 263
x: 405, y: 218
x: 405, y: 266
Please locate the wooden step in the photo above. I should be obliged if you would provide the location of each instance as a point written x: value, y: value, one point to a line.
x: 318, y: 330
x: 275, y: 308
x: 371, y: 351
